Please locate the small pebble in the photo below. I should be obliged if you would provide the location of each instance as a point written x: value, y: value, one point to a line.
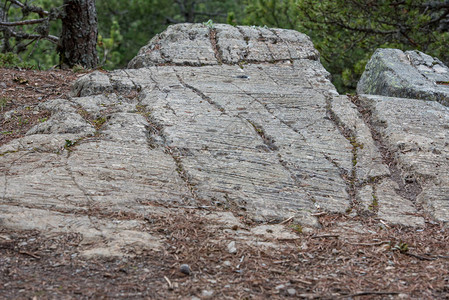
x: 227, y: 263
x: 207, y: 294
x: 231, y: 248
x: 5, y: 237
x: 185, y: 269
x: 291, y: 292
x: 280, y: 287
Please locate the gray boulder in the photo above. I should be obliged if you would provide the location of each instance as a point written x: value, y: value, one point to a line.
x: 243, y: 119
x: 200, y: 45
x: 410, y: 74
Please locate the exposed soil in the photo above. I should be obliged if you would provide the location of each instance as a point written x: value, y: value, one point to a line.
x: 349, y: 257
x: 21, y: 91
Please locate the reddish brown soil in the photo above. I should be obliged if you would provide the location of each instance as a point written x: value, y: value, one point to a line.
x: 21, y: 91
x: 334, y: 262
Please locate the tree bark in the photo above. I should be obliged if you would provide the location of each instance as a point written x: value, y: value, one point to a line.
x: 77, y: 45
x: 5, y: 35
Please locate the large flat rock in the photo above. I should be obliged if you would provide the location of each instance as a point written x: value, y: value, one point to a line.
x: 226, y: 118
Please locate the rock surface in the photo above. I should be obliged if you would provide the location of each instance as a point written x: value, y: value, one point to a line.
x: 416, y: 134
x: 242, y: 119
x: 410, y: 74
x: 193, y: 45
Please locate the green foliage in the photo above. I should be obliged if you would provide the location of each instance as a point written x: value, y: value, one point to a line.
x: 401, y: 247
x: 138, y: 21
x: 11, y: 60
x: 275, y: 13
x: 108, y: 48
x: 297, y: 228
x: 99, y: 122
x: 68, y: 144
x: 231, y: 19
x: 37, y: 53
x: 209, y: 24
x: 79, y: 69
x: 125, y: 26
x: 347, y: 32
x: 3, y: 103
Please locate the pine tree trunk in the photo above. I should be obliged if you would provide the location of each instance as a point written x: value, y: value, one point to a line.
x: 5, y: 46
x: 78, y: 42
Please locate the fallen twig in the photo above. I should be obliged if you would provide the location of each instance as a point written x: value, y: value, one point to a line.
x: 170, y: 285
x: 302, y: 281
x: 194, y: 207
x: 286, y: 221
x: 29, y: 254
x: 319, y: 214
x: 419, y: 256
x: 324, y: 236
x: 365, y: 293
x: 385, y: 224
x: 370, y: 244
x: 281, y: 261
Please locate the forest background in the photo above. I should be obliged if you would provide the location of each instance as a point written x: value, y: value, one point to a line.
x: 346, y: 32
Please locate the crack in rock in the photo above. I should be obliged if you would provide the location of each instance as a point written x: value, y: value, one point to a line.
x: 270, y: 112
x: 202, y: 95
x: 90, y: 201
x: 176, y: 154
x: 349, y: 178
x: 408, y: 188
x: 267, y: 140
x: 394, y: 199
x: 215, y: 46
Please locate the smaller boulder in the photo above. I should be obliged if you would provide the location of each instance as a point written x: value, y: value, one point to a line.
x: 410, y: 74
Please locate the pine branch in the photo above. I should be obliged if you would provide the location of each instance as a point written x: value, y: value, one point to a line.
x: 39, y: 10
x: 25, y: 22
x: 27, y: 36
x: 435, y: 5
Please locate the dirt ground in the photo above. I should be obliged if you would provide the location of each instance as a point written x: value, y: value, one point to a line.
x: 349, y: 257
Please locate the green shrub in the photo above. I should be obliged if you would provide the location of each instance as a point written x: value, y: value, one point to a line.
x: 11, y: 60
